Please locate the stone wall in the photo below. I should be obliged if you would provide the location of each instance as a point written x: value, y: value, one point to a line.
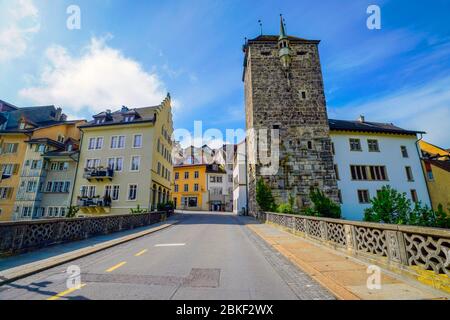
x: 294, y: 102
x: 19, y: 237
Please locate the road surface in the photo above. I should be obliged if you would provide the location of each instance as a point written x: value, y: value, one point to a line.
x: 204, y: 256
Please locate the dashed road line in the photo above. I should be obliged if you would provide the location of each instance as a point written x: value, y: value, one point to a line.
x: 117, y: 266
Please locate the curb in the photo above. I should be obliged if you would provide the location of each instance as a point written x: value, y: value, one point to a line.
x: 13, y: 274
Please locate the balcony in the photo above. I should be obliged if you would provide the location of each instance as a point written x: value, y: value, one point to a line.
x: 98, y: 174
x: 94, y: 204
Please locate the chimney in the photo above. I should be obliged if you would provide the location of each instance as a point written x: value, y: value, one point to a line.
x: 361, y: 119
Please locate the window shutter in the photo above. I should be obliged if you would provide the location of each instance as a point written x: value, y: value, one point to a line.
x: 10, y: 192
x: 16, y: 169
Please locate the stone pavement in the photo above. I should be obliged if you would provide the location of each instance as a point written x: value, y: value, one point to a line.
x: 342, y: 275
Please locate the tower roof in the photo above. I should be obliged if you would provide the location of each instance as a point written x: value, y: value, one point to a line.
x: 282, y: 29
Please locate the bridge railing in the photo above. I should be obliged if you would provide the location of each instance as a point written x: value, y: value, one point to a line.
x: 394, y: 246
x: 22, y: 236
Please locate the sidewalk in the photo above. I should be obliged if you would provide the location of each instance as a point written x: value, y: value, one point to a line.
x: 342, y: 275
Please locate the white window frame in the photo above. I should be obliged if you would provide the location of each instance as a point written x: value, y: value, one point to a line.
x: 136, y: 192
x: 138, y: 165
x: 134, y: 140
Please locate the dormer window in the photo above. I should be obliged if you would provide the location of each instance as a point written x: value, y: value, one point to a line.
x: 22, y: 125
x: 69, y: 147
x: 100, y: 120
x: 128, y: 118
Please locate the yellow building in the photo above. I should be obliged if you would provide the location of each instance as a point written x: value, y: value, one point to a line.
x: 125, y: 161
x: 436, y: 165
x: 18, y: 125
x: 190, y: 187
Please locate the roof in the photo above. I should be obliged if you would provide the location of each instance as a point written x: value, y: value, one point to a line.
x: 189, y: 165
x: 444, y: 165
x: 433, y: 150
x: 52, y: 154
x: 146, y: 115
x: 46, y: 141
x: 376, y: 127
x: 275, y: 38
x: 38, y: 116
x: 215, y: 168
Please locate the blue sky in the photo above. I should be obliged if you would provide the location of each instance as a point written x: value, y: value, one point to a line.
x: 133, y: 53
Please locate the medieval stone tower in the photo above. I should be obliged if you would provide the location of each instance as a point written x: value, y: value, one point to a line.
x: 284, y: 91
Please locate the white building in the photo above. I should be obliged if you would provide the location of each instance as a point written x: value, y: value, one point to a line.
x: 368, y: 156
x: 240, y: 180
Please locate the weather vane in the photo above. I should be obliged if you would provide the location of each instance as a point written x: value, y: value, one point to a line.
x: 260, y: 26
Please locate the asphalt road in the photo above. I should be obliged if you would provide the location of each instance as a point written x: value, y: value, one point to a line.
x: 205, y: 256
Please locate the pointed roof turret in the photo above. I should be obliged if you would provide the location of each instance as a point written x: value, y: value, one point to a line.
x: 282, y: 29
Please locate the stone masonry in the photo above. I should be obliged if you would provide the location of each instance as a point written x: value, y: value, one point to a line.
x: 292, y: 100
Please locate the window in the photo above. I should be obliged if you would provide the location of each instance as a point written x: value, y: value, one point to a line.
x: 137, y: 141
x: 373, y: 145
x: 196, y: 187
x: 11, y: 147
x: 363, y: 196
x: 355, y: 145
x: 92, y: 163
x: 128, y: 118
x: 176, y: 188
x: 310, y: 146
x: 409, y: 174
x: 159, y: 168
x: 336, y: 171
x: 177, y: 175
x: 429, y: 171
x: 95, y: 143
x: 115, y: 193
x: 404, y: 152
x: 414, y: 197
x: 186, y: 175
x: 115, y: 164
x: 371, y: 173
x: 135, y: 163
x: 26, y: 211
x: 31, y: 186
x: 117, y: 142
x: 186, y: 188
x: 88, y: 191
x: 132, y: 192
x: 192, y: 202
x: 107, y: 191
x: 6, y: 193
x: 36, y: 164
x: 340, y: 196
x: 196, y: 174
x: 59, y: 166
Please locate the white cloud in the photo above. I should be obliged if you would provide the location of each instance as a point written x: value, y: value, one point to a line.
x: 22, y: 21
x: 101, y: 78
x: 424, y: 107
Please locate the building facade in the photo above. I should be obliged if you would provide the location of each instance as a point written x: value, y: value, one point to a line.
x: 240, y: 180
x: 436, y: 166
x: 284, y: 94
x: 17, y: 126
x: 217, y: 185
x: 125, y: 161
x: 190, y: 187
x: 368, y: 156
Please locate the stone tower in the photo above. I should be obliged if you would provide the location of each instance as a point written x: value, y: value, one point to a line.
x: 284, y: 93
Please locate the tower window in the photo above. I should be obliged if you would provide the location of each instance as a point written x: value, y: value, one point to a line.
x: 310, y: 146
x: 302, y: 95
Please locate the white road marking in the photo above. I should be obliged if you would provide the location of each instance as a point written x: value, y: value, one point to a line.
x: 170, y: 245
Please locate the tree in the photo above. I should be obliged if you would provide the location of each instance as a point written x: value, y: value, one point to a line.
x: 264, y: 196
x: 390, y: 206
x: 72, y: 212
x: 324, y: 206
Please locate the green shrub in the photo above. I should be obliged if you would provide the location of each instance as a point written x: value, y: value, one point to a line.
x: 391, y: 206
x: 137, y: 210
x: 287, y: 207
x: 324, y: 206
x: 264, y: 196
x: 72, y: 212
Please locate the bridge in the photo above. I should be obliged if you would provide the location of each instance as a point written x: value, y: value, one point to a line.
x: 201, y: 255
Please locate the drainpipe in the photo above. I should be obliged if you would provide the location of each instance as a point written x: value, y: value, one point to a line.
x: 421, y: 167
x: 78, y: 164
